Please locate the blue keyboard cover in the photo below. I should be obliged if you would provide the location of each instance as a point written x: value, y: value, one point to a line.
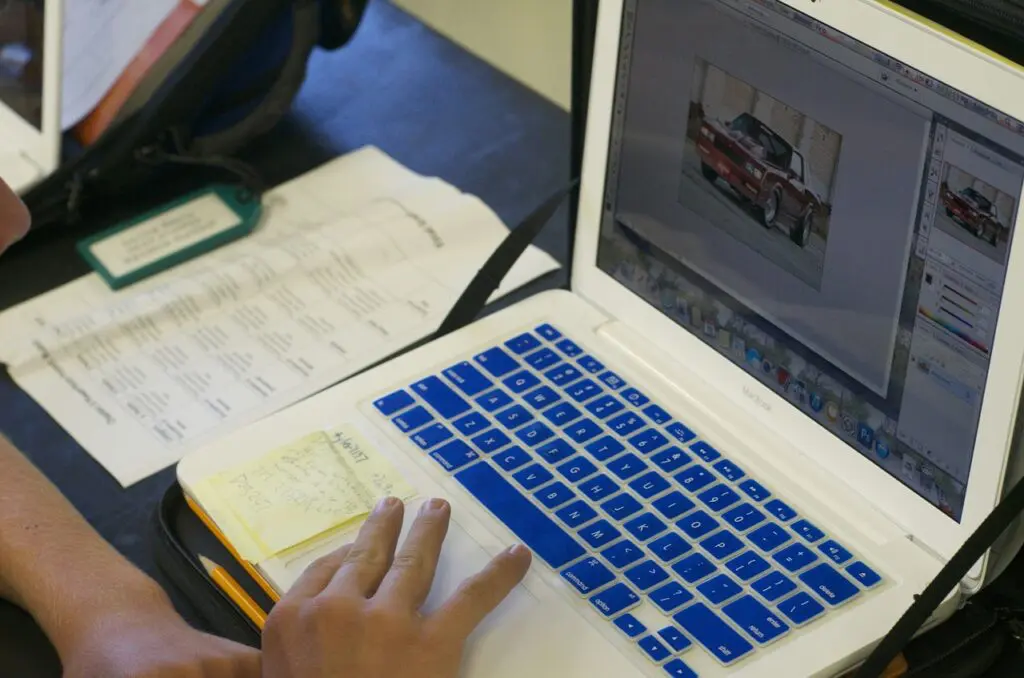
x: 633, y: 510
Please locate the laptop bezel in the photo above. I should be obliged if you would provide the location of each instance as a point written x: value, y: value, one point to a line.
x: 935, y: 52
x: 41, y: 146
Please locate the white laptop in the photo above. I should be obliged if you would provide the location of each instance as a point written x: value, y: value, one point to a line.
x: 780, y: 393
x: 30, y: 90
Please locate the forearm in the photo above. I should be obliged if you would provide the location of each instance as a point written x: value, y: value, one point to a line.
x: 52, y: 563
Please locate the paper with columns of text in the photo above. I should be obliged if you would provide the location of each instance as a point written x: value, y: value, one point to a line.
x: 354, y: 261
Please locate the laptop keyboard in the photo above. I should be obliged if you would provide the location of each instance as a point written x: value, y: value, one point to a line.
x: 666, y: 537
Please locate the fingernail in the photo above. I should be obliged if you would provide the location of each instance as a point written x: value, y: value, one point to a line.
x: 517, y: 550
x: 385, y: 505
x: 435, y: 504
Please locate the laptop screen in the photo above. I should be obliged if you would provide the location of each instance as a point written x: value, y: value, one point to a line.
x: 834, y: 222
x: 21, y: 58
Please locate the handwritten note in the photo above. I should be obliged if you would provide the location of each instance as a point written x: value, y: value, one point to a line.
x: 317, y: 484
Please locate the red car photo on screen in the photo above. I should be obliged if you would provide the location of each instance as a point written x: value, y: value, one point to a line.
x: 973, y: 211
x: 764, y: 169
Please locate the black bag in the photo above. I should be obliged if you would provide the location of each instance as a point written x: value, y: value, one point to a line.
x: 231, y: 76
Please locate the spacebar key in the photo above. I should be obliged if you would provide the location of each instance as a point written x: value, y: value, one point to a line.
x: 529, y: 523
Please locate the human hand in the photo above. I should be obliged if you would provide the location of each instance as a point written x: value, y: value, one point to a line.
x: 14, y: 217
x: 357, y: 612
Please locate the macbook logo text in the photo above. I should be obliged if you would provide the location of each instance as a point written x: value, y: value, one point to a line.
x: 757, y: 400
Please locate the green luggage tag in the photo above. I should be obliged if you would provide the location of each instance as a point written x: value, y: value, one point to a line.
x: 172, y: 234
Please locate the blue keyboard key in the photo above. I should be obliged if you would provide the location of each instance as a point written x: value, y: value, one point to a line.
x: 512, y: 458
x: 626, y: 466
x: 634, y: 397
x: 555, y: 451
x: 729, y: 470
x: 773, y: 586
x: 568, y: 347
x: 694, y: 478
x: 743, y: 517
x: 432, y: 435
x: 599, y: 534
x: 615, y: 599
x: 524, y: 343
x: 719, y: 589
x: 697, y: 524
x: 590, y: 363
x: 599, y: 487
x: 582, y: 430
x: 756, y: 620
x: 494, y: 400
x: 537, y: 531
x: 540, y: 398
x: 393, y: 402
x: 561, y: 414
x: 649, y: 484
x: 583, y: 390
x: 672, y: 505
x: 648, y: 441
x: 622, y: 554
x: 411, y: 420
x: 705, y: 451
x: 577, y: 469
x: 645, y: 526
x: 669, y: 547
x: 670, y: 460
x: 656, y: 414
x: 521, y: 381
x: 677, y: 668
x: 646, y: 575
x: 829, y: 585
x: 863, y: 574
x: 722, y: 544
x: 694, y: 567
x: 795, y: 557
x: 715, y: 635
x: 808, y: 531
x: 835, y: 551
x: 497, y: 361
x: 491, y: 440
x: 542, y: 359
x: 769, y: 537
x: 654, y: 648
x: 754, y: 490
x: 630, y: 625
x: 454, y: 455
x: 576, y: 514
x: 680, y: 432
x: 554, y: 495
x: 474, y: 422
x: 800, y: 608
x: 533, y: 476
x: 676, y: 640
x: 670, y: 597
x: 534, y: 434
x: 548, y: 332
x: 604, y: 448
x: 605, y: 406
x: 626, y: 423
x: 621, y: 506
x: 748, y: 565
x: 718, y: 498
x: 513, y: 417
x: 780, y: 510
x: 588, y: 575
x: 441, y: 397
x: 467, y: 378
x: 612, y: 380
x: 563, y: 374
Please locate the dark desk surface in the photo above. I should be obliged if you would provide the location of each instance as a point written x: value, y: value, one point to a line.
x: 398, y: 86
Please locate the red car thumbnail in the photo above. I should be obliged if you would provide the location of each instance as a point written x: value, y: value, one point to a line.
x: 972, y: 211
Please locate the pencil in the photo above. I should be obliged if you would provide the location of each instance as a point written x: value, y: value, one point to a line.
x: 237, y: 594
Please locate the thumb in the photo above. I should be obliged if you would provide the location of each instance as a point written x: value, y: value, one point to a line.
x: 14, y: 217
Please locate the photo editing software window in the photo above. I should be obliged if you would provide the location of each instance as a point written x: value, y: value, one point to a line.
x: 21, y: 58
x: 833, y: 221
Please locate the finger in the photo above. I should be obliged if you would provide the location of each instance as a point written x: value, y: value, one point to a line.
x: 370, y: 556
x: 412, y: 573
x: 14, y: 217
x: 318, y: 574
x: 480, y: 594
